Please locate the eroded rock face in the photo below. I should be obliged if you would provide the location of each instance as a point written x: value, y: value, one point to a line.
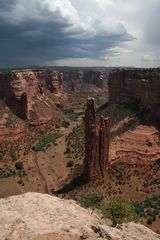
x: 95, y: 77
x: 17, y: 89
x: 74, y: 80
x: 141, y: 85
x: 35, y: 216
x: 104, y: 144
x: 96, y: 143
x: 50, y: 79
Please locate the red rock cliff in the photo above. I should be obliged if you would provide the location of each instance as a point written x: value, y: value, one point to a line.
x: 50, y: 79
x: 17, y: 90
x: 143, y: 85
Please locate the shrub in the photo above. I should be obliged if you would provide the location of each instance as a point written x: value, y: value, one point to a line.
x: 68, y: 150
x: 139, y: 208
x: 65, y: 124
x: 13, y: 155
x: 119, y: 211
x: 19, y: 165
x: 91, y: 199
x: 70, y: 164
x: 40, y: 146
x: 149, y: 221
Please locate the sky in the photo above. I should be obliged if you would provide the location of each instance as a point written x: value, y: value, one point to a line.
x: 80, y: 33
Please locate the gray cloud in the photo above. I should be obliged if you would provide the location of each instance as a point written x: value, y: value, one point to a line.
x: 35, y: 32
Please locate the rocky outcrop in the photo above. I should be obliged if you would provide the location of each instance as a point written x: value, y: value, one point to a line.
x: 12, y: 133
x: 96, y: 143
x: 35, y: 216
x: 104, y: 144
x: 17, y: 90
x: 136, y: 85
x: 24, y: 96
x: 73, y: 80
x: 95, y: 77
x: 23, y: 91
x: 50, y: 79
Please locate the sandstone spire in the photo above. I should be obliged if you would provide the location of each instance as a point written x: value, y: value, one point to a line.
x: 96, y: 143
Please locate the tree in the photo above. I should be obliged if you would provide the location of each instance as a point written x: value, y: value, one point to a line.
x: 90, y: 199
x: 19, y: 165
x: 119, y: 211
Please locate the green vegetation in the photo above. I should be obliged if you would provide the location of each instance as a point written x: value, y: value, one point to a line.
x: 72, y: 115
x: 5, y: 173
x: 40, y: 146
x: 12, y: 119
x: 90, y: 199
x: 101, y: 98
x: 75, y: 142
x: 135, y: 112
x: 149, y: 209
x: 119, y: 173
x: 70, y: 164
x: 119, y: 211
x: 68, y: 150
x: 65, y: 124
x: 19, y: 165
x: 116, y: 113
x: 130, y: 125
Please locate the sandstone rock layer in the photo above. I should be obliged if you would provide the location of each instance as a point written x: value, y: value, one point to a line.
x: 96, y: 143
x: 136, y: 85
x: 34, y: 216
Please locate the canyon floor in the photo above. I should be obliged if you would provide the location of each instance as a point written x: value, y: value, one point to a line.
x: 134, y: 171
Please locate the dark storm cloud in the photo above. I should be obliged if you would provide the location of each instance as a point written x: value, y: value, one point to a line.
x: 50, y: 36
x: 6, y: 5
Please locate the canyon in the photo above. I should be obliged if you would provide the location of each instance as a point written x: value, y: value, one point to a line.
x: 38, y: 216
x: 62, y: 124
x: 33, y: 96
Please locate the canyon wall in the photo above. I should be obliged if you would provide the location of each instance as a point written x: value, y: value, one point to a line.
x: 17, y: 90
x: 95, y: 77
x: 138, y: 84
x: 96, y: 143
x: 75, y: 79
x: 50, y: 79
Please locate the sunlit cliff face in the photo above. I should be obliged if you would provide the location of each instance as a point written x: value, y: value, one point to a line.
x: 53, y: 76
x: 18, y: 85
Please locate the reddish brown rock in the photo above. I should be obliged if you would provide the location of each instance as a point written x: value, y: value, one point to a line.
x: 91, y: 163
x: 76, y: 80
x: 12, y: 133
x: 140, y: 85
x: 50, y: 79
x: 41, y: 121
x: 73, y: 80
x: 96, y: 143
x: 95, y: 77
x: 104, y: 144
x: 18, y: 89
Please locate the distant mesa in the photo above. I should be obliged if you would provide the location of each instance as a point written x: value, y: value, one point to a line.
x: 141, y: 86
